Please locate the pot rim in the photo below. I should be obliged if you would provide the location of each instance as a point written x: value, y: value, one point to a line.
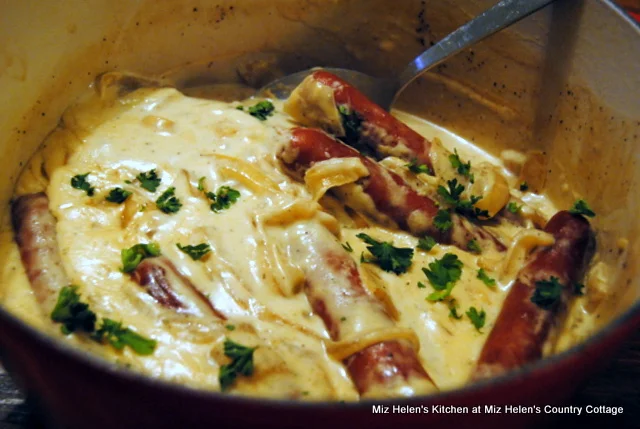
x: 629, y: 319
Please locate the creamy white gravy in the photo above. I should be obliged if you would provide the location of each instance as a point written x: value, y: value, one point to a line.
x: 247, y: 275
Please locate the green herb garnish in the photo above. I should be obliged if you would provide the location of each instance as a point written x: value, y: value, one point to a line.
x: 386, y: 256
x: 462, y: 168
x: 347, y: 247
x: 581, y: 207
x: 223, y: 198
x: 118, y: 195
x: 451, y: 195
x: 473, y: 246
x: 442, y: 221
x: 351, y: 122
x: 76, y: 315
x: 513, y: 207
x: 195, y: 252
x: 149, y: 180
x: 482, y: 275
x: 167, y: 202
x: 416, y: 168
x: 426, y: 243
x: 443, y: 274
x: 262, y: 110
x: 72, y: 313
x: 524, y: 186
x: 241, y: 363
x: 547, y: 293
x: 132, y: 256
x: 453, y: 310
x: 477, y: 318
x: 113, y: 333
x: 201, y: 186
x: 79, y: 181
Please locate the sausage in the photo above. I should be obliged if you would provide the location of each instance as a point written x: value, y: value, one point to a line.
x: 161, y: 279
x: 35, y: 234
x: 522, y: 326
x: 379, y: 130
x: 391, y: 196
x: 372, y: 367
x: 336, y: 294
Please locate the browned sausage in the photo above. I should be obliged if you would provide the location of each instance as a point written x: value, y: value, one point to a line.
x: 336, y: 294
x: 522, y: 326
x: 378, y: 129
x: 373, y: 366
x: 35, y: 233
x: 160, y: 278
x: 390, y: 194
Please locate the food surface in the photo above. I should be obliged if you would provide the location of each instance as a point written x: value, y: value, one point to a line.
x: 315, y: 249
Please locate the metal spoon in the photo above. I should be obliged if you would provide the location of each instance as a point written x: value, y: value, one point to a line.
x: 385, y: 91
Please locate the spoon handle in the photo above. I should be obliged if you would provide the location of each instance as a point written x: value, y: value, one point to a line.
x: 503, y: 14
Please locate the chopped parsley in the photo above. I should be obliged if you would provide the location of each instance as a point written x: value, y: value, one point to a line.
x: 547, y: 293
x: 113, y: 333
x: 452, y: 197
x: 477, y: 318
x: 426, y: 243
x: 524, y: 186
x: 442, y: 221
x: 482, y: 275
x: 386, y: 256
x: 473, y: 246
x: 195, y: 252
x: 118, y: 195
x: 581, y: 207
x: 168, y: 202
x: 79, y: 181
x: 468, y: 208
x: 578, y: 289
x: 72, y: 313
x: 132, y: 256
x: 443, y: 274
x: 513, y: 207
x: 223, y: 198
x: 462, y: 168
x: 149, y: 180
x: 76, y: 315
x: 347, y: 247
x: 453, y: 310
x: 421, y: 285
x: 351, y: 122
x: 230, y: 327
x: 261, y: 110
x: 201, y: 184
x: 241, y: 363
x: 416, y: 168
